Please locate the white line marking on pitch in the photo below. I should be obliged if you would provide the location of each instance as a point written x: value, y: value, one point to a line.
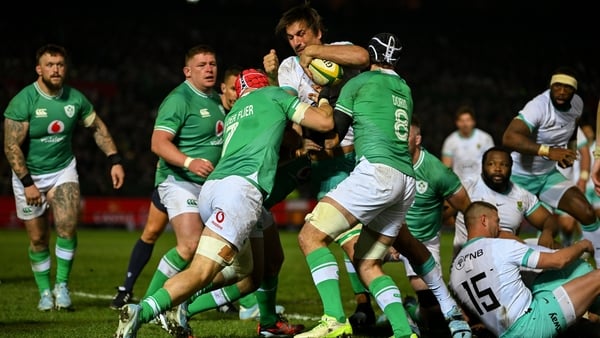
x: 91, y: 295
x: 287, y: 315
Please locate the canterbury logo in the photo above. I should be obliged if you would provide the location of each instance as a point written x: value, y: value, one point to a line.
x: 192, y: 202
x: 204, y: 112
x: 41, y: 112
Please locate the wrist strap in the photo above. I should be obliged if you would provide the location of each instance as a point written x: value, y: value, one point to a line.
x: 115, y: 159
x: 187, y: 162
x: 27, y: 180
x: 544, y: 150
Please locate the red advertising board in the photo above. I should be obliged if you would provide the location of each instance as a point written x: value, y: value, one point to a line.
x: 131, y: 213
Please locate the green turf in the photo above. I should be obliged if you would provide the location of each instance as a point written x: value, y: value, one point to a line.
x: 99, y: 267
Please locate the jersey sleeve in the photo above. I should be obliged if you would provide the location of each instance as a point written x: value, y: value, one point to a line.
x: 171, y: 114
x: 17, y: 108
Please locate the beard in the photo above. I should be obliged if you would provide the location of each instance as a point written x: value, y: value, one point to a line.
x: 562, y: 107
x: 52, y: 85
x: 498, y: 186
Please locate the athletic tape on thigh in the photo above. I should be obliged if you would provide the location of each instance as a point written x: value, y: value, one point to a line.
x: 562, y: 297
x: 345, y: 236
x: 368, y: 247
x: 328, y: 219
x: 216, y: 249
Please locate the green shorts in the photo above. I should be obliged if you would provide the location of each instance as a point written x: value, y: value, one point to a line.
x: 545, y: 317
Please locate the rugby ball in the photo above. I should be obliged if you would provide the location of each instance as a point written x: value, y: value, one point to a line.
x: 325, y: 72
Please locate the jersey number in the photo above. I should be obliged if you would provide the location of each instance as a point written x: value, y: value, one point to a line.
x: 229, y: 131
x: 473, y: 291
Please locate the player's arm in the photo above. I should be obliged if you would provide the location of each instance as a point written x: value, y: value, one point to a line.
x: 565, y: 256
x: 585, y: 165
x: 318, y: 118
x: 106, y: 143
x: 162, y: 145
x: 544, y: 221
x: 517, y: 137
x: 14, y: 135
x: 352, y: 56
x: 460, y: 200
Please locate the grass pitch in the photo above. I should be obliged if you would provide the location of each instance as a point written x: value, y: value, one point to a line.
x: 99, y: 267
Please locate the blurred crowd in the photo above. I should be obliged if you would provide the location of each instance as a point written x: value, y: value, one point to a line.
x: 492, y: 58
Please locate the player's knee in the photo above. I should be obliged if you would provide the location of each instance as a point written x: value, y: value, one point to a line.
x: 368, y: 247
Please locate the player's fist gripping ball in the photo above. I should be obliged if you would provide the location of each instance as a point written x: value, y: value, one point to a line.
x: 325, y: 72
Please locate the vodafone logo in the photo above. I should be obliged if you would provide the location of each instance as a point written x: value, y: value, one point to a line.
x: 56, y: 127
x: 220, y: 216
x: 218, y: 220
x: 219, y: 128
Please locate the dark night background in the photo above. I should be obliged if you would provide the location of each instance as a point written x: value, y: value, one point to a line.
x: 494, y: 55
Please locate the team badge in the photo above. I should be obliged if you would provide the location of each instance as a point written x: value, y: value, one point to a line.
x: 520, y: 205
x: 70, y: 110
x: 422, y: 187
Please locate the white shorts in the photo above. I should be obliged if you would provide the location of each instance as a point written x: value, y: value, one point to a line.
x: 377, y: 195
x: 231, y: 207
x: 433, y: 245
x: 179, y: 197
x: 44, y: 183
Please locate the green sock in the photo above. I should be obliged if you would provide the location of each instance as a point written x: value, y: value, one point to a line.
x: 40, y: 265
x: 214, y: 299
x: 154, y: 304
x: 170, y: 264
x: 248, y: 300
x: 357, y: 285
x: 200, y: 292
x: 389, y: 299
x: 65, y: 251
x: 266, y: 296
x: 325, y: 274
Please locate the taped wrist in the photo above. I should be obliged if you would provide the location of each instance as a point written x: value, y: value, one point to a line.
x: 115, y: 159
x: 27, y: 180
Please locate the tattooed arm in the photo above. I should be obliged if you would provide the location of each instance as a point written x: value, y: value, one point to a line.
x: 14, y: 135
x: 105, y: 142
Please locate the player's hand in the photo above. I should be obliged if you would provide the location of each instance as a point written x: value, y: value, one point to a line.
x: 271, y: 66
x: 589, y: 247
x: 117, y: 173
x: 33, y: 195
x: 564, y: 157
x: 201, y: 167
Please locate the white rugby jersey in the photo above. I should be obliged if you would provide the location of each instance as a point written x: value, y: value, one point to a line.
x: 513, y: 206
x: 466, y: 152
x: 291, y: 77
x: 548, y: 126
x: 572, y: 172
x: 486, y: 277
